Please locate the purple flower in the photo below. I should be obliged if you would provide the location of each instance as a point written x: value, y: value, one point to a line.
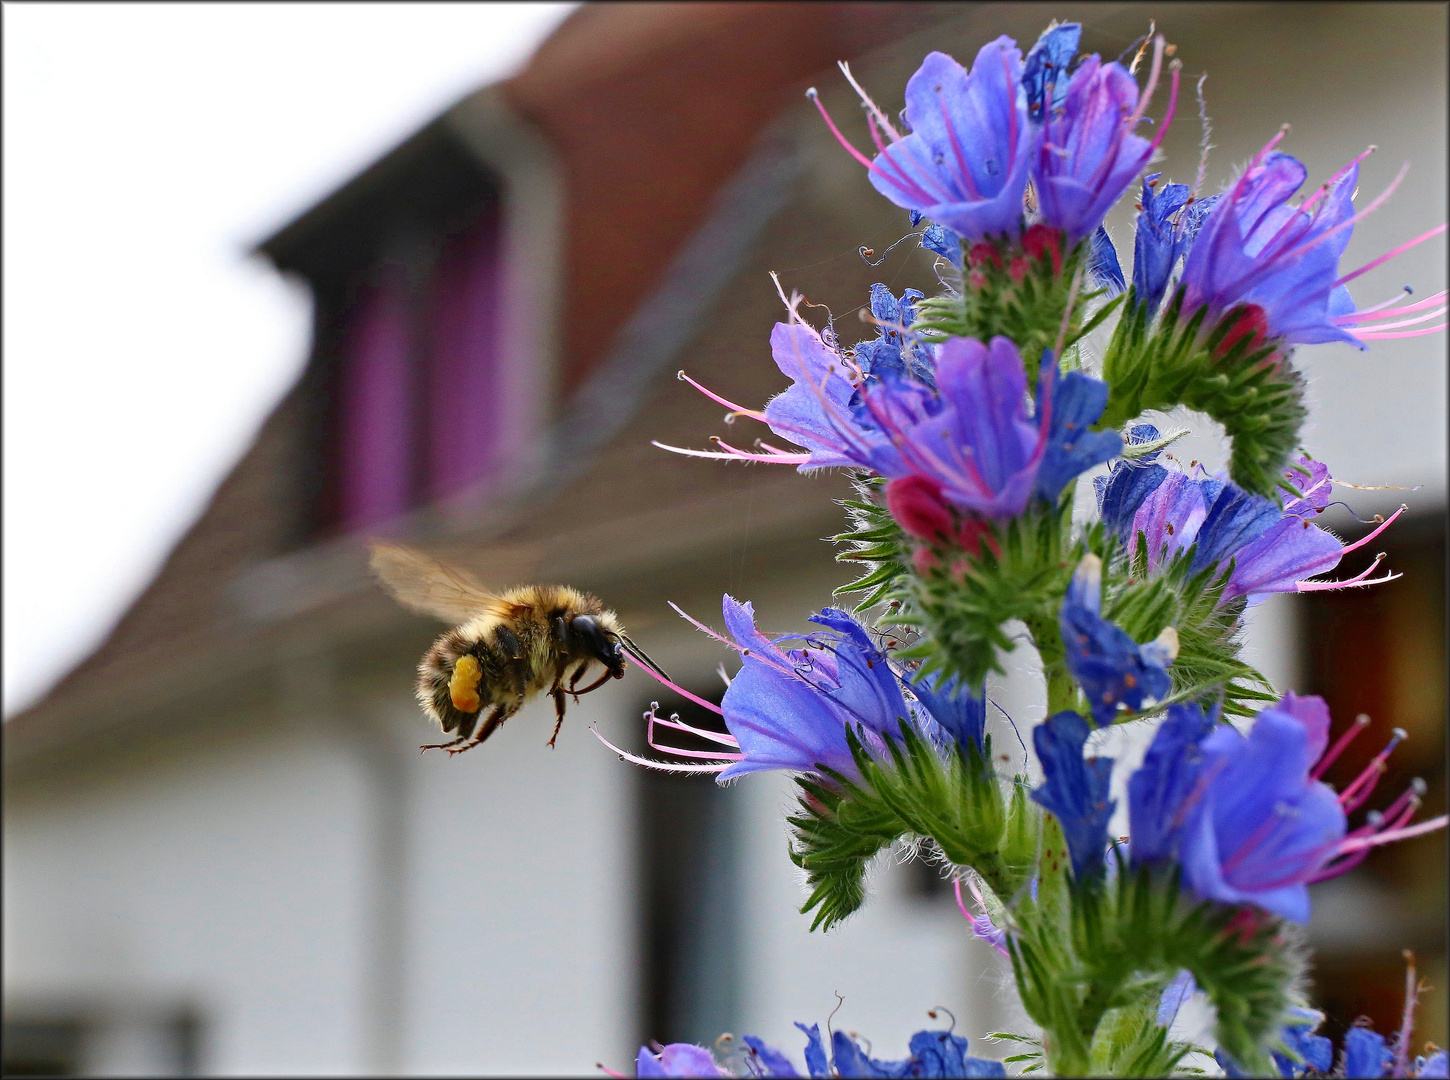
x: 942, y: 241
x: 1076, y: 791
x: 816, y: 411
x: 964, y: 164
x: 1253, y: 827
x: 791, y: 708
x: 677, y: 1059
x: 1110, y: 667
x: 1167, y: 225
x: 974, y: 438
x: 1310, y: 1052
x: 1089, y: 155
x: 1436, y: 1064
x: 1272, y: 550
x: 1257, y: 249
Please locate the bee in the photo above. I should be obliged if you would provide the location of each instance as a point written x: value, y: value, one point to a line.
x: 507, y: 648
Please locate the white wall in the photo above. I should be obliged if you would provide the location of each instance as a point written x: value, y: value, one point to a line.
x: 222, y: 877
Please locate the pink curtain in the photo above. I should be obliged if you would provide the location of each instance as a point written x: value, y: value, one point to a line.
x: 465, y: 391
x: 375, y: 410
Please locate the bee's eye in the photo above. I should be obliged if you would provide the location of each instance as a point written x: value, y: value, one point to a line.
x: 590, y: 638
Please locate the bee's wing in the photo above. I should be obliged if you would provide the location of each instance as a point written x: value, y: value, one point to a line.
x: 425, y: 585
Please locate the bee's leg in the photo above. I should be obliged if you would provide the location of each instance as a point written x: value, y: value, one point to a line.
x: 558, y: 696
x: 493, y: 723
x: 595, y: 685
x: 464, y: 729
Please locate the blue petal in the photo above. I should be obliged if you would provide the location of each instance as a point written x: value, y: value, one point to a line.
x: 850, y: 1060
x: 1103, y: 263
x: 1235, y: 519
x: 1167, y: 777
x: 1110, y: 667
x: 1046, y: 65
x: 774, y: 1064
x: 1124, y: 490
x: 944, y: 242
x: 1365, y: 1053
x: 1078, y: 401
x: 961, y: 713
x: 1157, y: 242
x: 1179, y: 990
x: 1076, y: 791
x: 816, y: 1063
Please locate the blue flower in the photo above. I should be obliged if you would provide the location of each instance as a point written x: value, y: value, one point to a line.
x: 1076, y: 791
x: 677, y: 1060
x: 1167, y: 225
x: 932, y: 1054
x: 944, y: 242
x: 1365, y: 1053
x: 1160, y: 788
x: 766, y: 1061
x: 1073, y: 447
x: 1182, y: 987
x: 1242, y: 815
x: 964, y: 165
x: 791, y: 708
x: 1046, y: 68
x: 1310, y: 1052
x: 892, y: 351
x: 1088, y: 154
x: 1436, y: 1064
x: 1103, y: 264
x: 1110, y: 667
x: 1278, y: 261
x: 958, y: 711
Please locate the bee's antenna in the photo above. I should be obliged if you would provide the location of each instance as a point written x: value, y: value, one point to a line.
x: 641, y: 656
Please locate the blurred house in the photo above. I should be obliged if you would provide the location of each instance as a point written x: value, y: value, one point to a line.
x: 223, y: 852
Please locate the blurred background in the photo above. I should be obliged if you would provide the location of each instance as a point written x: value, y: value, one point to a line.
x: 283, y: 278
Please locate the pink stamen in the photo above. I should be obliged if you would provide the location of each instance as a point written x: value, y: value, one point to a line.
x: 1328, y: 185
x: 773, y: 459
x: 1392, y: 835
x: 754, y: 414
x: 1360, y: 787
x: 1169, y: 112
x: 1408, y: 322
x: 701, y: 733
x: 1365, y: 540
x: 1147, y: 94
x: 1362, y: 578
x: 1436, y: 231
x: 662, y: 766
x: 607, y: 1071
x: 1403, y: 333
x: 1353, y: 315
x: 1429, y: 301
x: 657, y: 677
x: 881, y: 117
x: 1360, y: 723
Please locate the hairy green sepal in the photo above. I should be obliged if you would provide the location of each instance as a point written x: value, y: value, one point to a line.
x: 1250, y: 388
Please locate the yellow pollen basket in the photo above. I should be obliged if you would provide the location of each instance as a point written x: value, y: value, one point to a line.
x: 463, y: 686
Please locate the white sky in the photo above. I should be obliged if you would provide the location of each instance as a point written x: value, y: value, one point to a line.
x: 147, y: 147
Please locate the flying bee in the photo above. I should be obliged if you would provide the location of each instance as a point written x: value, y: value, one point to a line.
x: 507, y: 648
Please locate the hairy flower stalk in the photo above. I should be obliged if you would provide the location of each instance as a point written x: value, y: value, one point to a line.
x: 966, y: 420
